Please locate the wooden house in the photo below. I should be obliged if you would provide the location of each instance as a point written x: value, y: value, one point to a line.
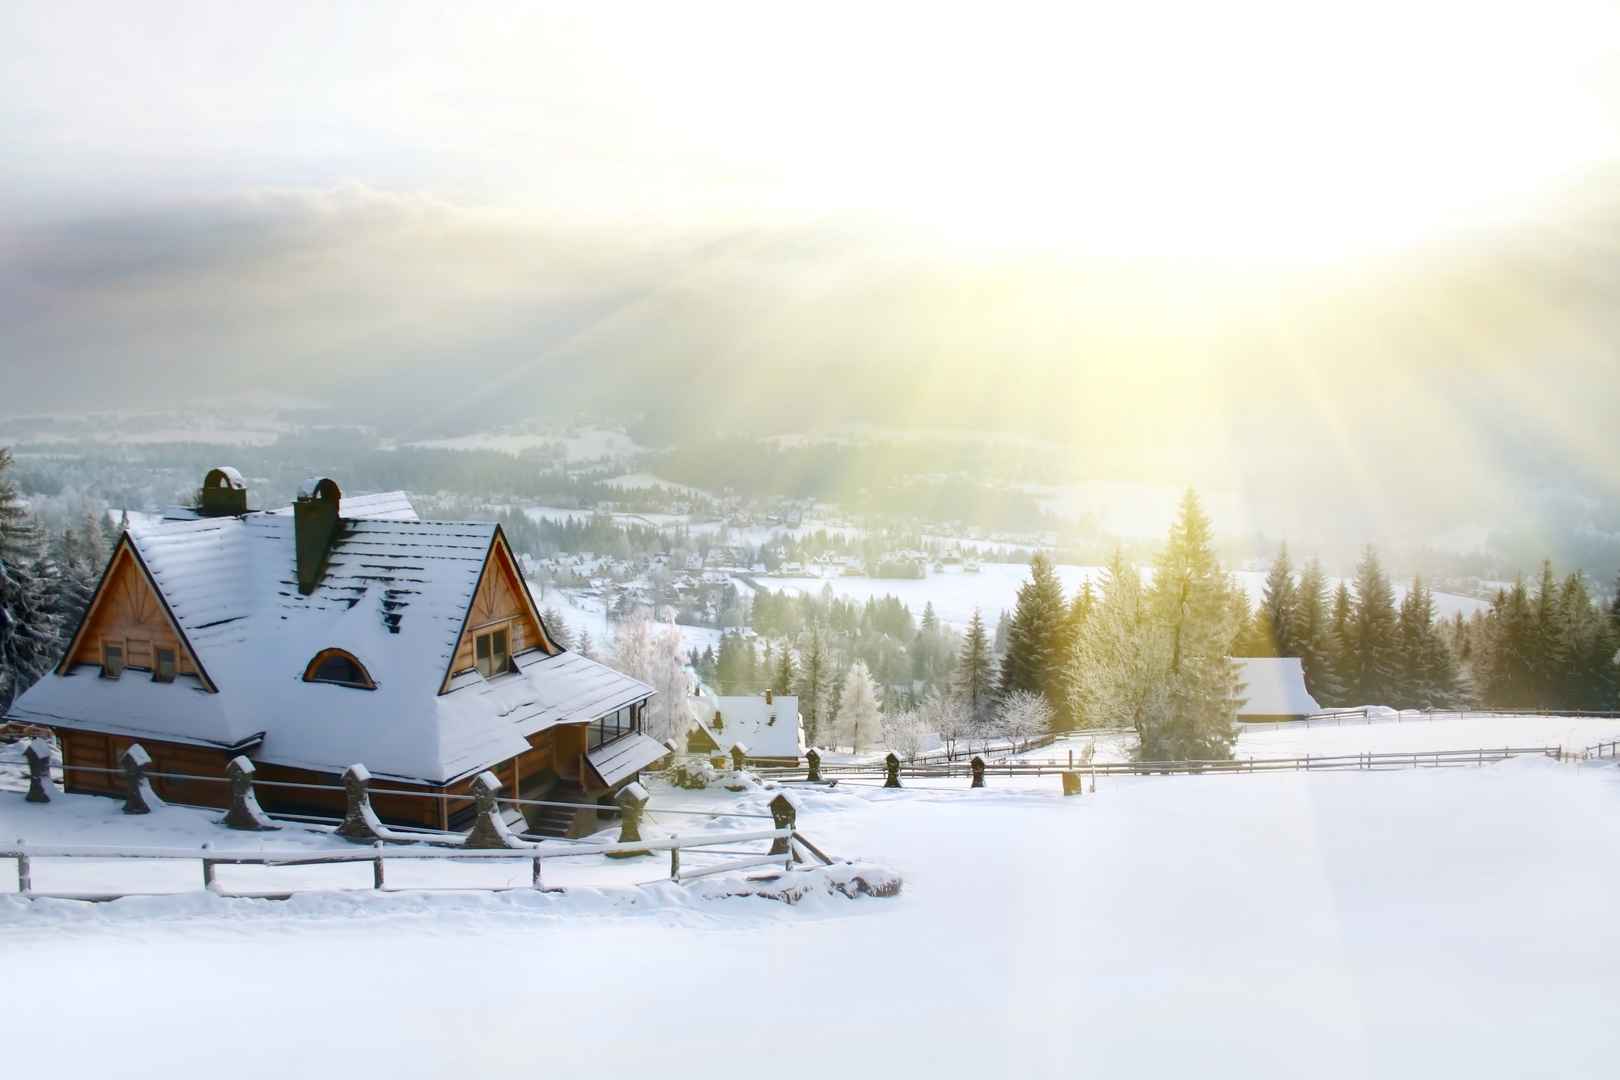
x: 335, y: 631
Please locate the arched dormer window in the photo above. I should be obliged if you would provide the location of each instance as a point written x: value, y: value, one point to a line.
x: 338, y: 667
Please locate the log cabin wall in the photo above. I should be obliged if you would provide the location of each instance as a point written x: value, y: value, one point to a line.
x: 102, y: 751
x: 128, y: 612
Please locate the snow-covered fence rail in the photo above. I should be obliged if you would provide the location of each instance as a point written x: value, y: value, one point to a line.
x: 28, y: 856
x: 1409, y: 759
x: 1365, y: 714
x: 1604, y: 749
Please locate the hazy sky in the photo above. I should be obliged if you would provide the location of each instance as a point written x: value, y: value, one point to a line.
x: 1170, y: 231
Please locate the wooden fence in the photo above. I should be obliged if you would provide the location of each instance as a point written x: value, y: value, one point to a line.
x: 490, y: 837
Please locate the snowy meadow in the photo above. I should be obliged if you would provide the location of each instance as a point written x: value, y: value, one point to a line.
x: 1403, y: 923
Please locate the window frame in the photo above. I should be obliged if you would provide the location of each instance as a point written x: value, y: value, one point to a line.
x: 487, y: 634
x: 112, y: 651
x: 320, y: 658
x: 159, y: 675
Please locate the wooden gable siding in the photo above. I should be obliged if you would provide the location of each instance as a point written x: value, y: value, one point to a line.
x: 127, y: 611
x: 501, y: 597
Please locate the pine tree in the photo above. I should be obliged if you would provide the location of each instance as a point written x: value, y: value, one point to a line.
x: 28, y: 627
x: 585, y: 648
x: 1191, y: 602
x: 1279, y: 608
x: 1031, y: 662
x: 974, y: 675
x: 1370, y: 654
x: 815, y: 680
x: 786, y: 676
x: 1003, y: 632
x: 1548, y: 660
x: 1426, y: 671
x: 553, y: 621
x: 1510, y: 677
x: 1313, y: 635
x: 1116, y: 669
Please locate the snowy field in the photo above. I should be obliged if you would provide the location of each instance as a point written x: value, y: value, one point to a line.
x: 1392, y: 734
x: 1451, y: 922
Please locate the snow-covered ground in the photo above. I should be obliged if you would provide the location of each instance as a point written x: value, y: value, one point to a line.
x: 1415, y: 923
x: 1394, y: 733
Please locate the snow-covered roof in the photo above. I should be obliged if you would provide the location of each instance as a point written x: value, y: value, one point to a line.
x: 395, y: 594
x: 1274, y: 686
x: 624, y: 756
x: 768, y: 730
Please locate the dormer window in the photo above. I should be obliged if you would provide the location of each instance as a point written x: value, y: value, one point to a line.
x: 112, y: 660
x: 163, y: 665
x: 492, y: 651
x: 339, y: 668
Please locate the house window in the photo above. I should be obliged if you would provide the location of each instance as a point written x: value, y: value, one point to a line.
x: 492, y: 652
x: 163, y: 665
x: 112, y: 660
x: 605, y: 729
x: 340, y: 669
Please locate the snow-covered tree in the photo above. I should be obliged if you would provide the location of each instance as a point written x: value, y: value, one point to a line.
x: 975, y: 677
x: 1370, y: 663
x: 1191, y: 603
x: 633, y: 644
x: 585, y: 646
x: 903, y: 733
x: 858, y: 719
x: 947, y: 716
x: 1117, y: 664
x: 28, y: 626
x: 557, y: 627
x: 1023, y: 715
x: 669, y: 713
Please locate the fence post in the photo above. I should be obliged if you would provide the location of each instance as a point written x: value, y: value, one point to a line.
x: 360, y: 821
x: 783, y: 816
x: 891, y: 769
x: 536, y: 875
x: 977, y: 765
x: 739, y: 756
x: 138, y: 795
x: 813, y: 759
x: 25, y: 876
x: 208, y: 870
x: 38, y: 753
x: 489, y: 828
x: 377, y: 865
x: 245, y: 812
x: 632, y: 801
x: 674, y: 864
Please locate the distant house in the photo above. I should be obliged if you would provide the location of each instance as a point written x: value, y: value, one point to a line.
x: 340, y: 630
x: 1273, y: 688
x: 767, y: 724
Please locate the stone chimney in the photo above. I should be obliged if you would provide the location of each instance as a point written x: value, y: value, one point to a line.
x: 224, y: 493
x: 315, y: 526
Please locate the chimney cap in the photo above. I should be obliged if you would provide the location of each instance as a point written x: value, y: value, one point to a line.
x: 320, y: 487
x: 223, y: 476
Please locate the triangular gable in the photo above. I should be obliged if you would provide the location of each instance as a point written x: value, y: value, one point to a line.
x: 128, y: 607
x: 501, y: 596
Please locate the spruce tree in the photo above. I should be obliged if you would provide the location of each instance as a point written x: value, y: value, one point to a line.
x: 1279, y: 608
x: 815, y: 680
x: 786, y: 677
x: 974, y: 671
x: 1313, y: 635
x: 1510, y: 679
x: 1371, y: 661
x: 1191, y: 603
x: 1031, y: 662
x: 1120, y: 659
x: 1426, y: 672
x: 28, y: 627
x: 1548, y: 660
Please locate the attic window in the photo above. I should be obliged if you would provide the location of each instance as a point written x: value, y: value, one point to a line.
x: 112, y: 660
x: 339, y: 668
x: 492, y: 651
x: 163, y: 665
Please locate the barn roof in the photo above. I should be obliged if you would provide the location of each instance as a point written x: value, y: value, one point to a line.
x: 394, y: 594
x: 1274, y: 686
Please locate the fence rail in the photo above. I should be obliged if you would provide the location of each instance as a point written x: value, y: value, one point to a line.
x: 378, y: 855
x: 1408, y: 759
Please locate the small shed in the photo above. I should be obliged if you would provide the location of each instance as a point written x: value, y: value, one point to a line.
x: 1273, y: 689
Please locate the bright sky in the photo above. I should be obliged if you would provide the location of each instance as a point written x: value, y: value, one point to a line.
x: 1184, y: 232
x: 1270, y: 127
